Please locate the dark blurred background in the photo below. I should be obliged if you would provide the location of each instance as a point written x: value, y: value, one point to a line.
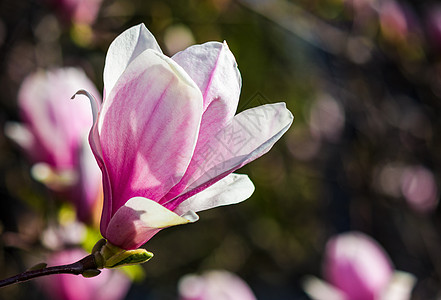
x: 363, y: 79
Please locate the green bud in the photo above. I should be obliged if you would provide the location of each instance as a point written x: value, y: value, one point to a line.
x: 109, y: 256
x: 129, y: 257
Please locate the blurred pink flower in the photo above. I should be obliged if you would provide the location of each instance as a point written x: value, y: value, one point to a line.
x: 419, y: 188
x: 77, y: 11
x: 357, y: 265
x: 393, y: 20
x: 54, y: 135
x: 109, y: 285
x: 357, y: 268
x: 166, y: 137
x: 399, y: 23
x: 214, y: 285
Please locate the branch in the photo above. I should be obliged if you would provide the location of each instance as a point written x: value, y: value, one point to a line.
x: 77, y: 268
x: 104, y: 255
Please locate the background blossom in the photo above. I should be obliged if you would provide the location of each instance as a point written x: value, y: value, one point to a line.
x: 110, y: 285
x: 214, y: 284
x: 53, y: 134
x: 366, y: 103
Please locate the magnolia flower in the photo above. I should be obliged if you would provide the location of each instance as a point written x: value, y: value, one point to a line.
x: 54, y: 135
x: 356, y: 267
x: 214, y: 285
x: 110, y: 285
x: 166, y: 138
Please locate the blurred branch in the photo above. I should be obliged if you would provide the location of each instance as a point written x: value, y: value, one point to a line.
x: 298, y: 21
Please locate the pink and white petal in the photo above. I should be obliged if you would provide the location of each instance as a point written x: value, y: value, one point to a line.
x: 148, y: 128
x: 123, y: 50
x: 138, y: 221
x: 248, y: 136
x: 214, y: 284
x: 72, y: 117
x: 232, y: 189
x: 107, y: 212
x: 94, y: 142
x: 44, y: 105
x: 35, y: 103
x: 214, y: 69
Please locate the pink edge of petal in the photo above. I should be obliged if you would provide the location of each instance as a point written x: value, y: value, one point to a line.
x: 106, y: 213
x: 94, y: 142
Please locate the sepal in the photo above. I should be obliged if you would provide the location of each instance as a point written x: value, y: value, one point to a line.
x: 110, y: 256
x: 128, y: 257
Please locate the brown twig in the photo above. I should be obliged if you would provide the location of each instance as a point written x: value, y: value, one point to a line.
x: 76, y: 268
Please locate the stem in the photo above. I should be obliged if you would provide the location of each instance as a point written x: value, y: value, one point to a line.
x: 76, y: 268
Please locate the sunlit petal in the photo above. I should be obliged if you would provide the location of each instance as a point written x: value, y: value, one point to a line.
x: 123, y: 50
x: 138, y: 220
x: 147, y: 130
x: 232, y: 189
